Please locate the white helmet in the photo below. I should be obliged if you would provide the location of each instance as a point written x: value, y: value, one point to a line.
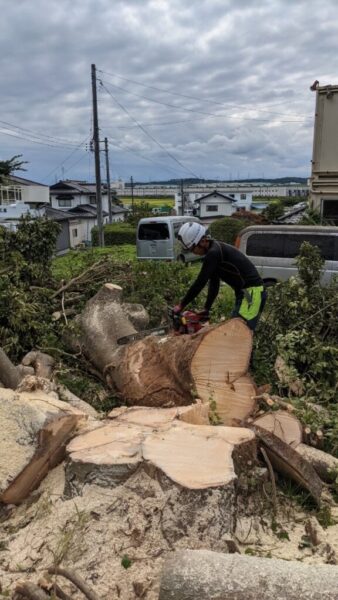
x: 190, y: 234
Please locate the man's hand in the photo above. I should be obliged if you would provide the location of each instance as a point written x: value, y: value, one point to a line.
x: 203, y: 313
x: 177, y: 309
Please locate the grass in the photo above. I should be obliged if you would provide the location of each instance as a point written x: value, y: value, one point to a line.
x: 74, y: 262
x: 153, y: 202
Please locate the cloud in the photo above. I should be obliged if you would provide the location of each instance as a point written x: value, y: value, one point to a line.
x: 240, y: 70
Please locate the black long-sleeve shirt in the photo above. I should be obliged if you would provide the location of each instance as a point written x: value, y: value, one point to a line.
x: 226, y: 263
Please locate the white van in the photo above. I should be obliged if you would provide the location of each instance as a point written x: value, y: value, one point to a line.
x: 273, y: 249
x: 156, y: 239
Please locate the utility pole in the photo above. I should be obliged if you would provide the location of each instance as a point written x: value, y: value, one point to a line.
x: 182, y: 197
x: 108, y: 180
x: 132, y: 193
x: 97, y: 159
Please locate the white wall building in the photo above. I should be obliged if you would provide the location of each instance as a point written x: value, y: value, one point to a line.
x: 28, y: 192
x: 213, y: 205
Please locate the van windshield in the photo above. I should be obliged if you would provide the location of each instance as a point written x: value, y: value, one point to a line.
x: 153, y: 231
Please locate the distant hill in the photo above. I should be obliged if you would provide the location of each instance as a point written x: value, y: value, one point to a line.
x: 192, y: 181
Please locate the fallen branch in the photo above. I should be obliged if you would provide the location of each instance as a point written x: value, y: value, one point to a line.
x: 272, y: 478
x: 75, y: 280
x: 75, y: 579
x: 10, y: 376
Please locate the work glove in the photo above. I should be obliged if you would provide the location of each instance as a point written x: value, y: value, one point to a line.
x: 177, y: 309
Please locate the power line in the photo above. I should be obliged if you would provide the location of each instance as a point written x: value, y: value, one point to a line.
x: 39, y: 142
x: 148, y: 134
x: 126, y: 149
x: 200, y: 112
x: 67, y: 158
x: 38, y: 135
x: 189, y: 97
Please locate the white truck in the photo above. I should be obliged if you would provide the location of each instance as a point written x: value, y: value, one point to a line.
x: 324, y: 174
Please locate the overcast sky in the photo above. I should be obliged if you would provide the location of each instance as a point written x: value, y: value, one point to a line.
x: 207, y: 88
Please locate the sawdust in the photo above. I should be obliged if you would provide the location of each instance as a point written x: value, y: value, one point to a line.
x: 118, y: 538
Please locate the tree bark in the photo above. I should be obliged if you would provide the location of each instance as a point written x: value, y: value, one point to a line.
x: 205, y: 575
x: 169, y: 371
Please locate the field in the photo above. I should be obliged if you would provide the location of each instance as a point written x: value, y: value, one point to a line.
x: 153, y: 202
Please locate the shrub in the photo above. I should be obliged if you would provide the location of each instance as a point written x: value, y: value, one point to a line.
x: 115, y: 234
x: 227, y: 229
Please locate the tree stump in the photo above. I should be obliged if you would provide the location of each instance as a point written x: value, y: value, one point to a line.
x: 195, y: 464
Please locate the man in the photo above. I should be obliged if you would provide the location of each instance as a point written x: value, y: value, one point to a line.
x: 223, y: 262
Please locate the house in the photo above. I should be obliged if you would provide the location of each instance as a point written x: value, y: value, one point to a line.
x: 18, y: 189
x: 20, y: 197
x: 77, y: 224
x: 226, y: 204
x: 70, y: 193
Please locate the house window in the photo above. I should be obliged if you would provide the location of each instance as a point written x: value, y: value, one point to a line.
x: 74, y: 233
x: 92, y: 199
x: 243, y: 196
x: 65, y: 203
x: 10, y: 194
x: 211, y: 208
x: 330, y: 210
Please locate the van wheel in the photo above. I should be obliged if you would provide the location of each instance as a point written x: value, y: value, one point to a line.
x: 181, y: 259
x: 269, y: 282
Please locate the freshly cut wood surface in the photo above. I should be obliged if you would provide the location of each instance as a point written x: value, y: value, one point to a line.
x: 234, y: 401
x: 196, y: 414
x: 284, y: 425
x: 223, y: 356
x: 194, y: 456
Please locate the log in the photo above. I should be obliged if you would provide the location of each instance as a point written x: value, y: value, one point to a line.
x: 34, y: 429
x: 289, y: 429
x: 290, y: 463
x: 169, y: 371
x: 206, y: 575
x: 325, y: 465
x: 284, y: 425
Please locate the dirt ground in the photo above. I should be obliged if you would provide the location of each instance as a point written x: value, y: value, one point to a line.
x: 117, y: 539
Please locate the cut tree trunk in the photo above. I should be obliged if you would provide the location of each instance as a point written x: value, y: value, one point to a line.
x: 194, y: 464
x: 289, y: 429
x: 169, y: 371
x: 34, y: 429
x: 284, y: 425
x: 205, y: 575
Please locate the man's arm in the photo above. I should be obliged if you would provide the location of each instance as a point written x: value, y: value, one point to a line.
x: 213, y: 290
x: 207, y: 271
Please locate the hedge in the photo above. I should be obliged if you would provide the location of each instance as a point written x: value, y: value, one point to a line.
x: 227, y: 229
x: 115, y: 234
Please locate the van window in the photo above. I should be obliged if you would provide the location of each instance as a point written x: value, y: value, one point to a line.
x: 153, y: 231
x: 276, y: 245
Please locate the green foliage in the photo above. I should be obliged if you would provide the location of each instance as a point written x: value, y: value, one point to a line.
x: 140, y: 211
x: 25, y: 267
x: 7, y: 167
x: 76, y: 261
x: 126, y: 562
x: 227, y: 229
x: 299, y: 324
x: 273, y: 211
x: 115, y: 234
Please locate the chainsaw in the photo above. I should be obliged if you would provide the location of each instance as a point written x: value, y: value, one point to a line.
x: 188, y: 321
